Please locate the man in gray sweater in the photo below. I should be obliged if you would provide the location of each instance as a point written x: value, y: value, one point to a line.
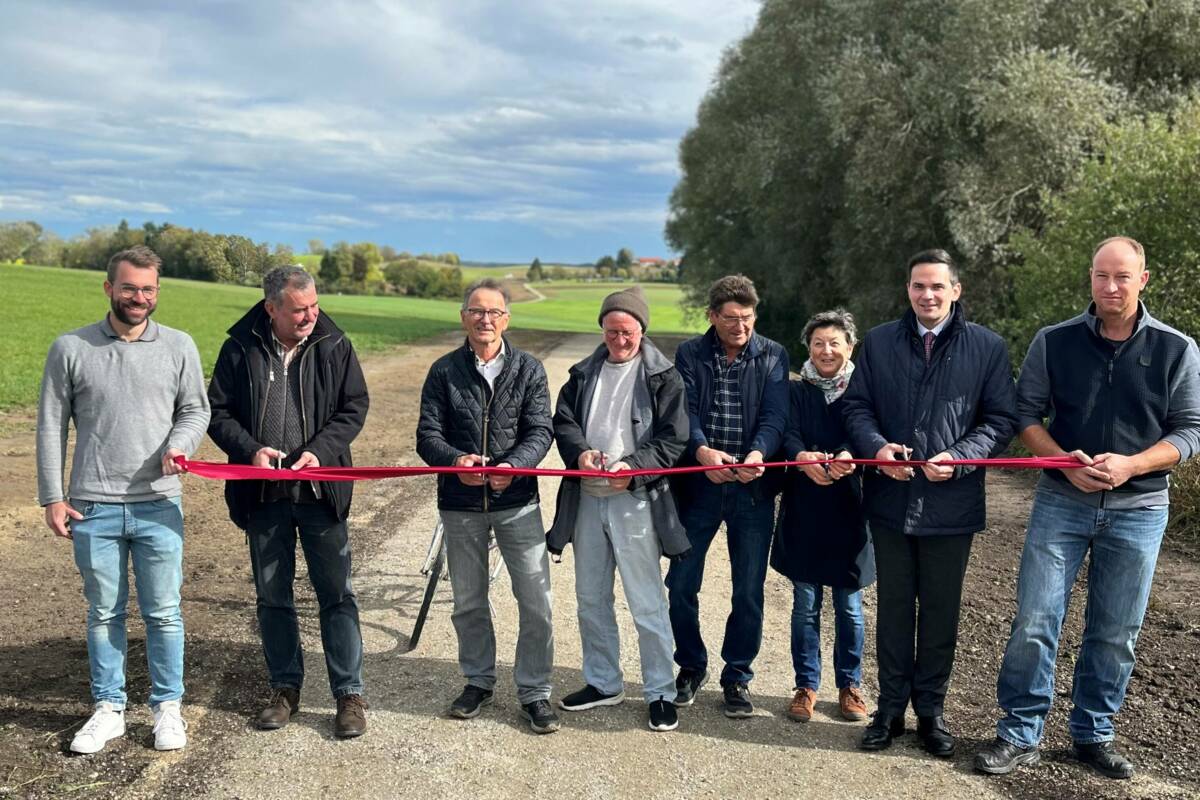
x: 135, y: 391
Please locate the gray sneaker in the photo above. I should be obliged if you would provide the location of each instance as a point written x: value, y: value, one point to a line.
x: 687, y: 684
x: 468, y: 704
x: 737, y: 701
x: 541, y: 716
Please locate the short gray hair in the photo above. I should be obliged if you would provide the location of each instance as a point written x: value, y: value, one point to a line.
x: 280, y: 279
x: 486, y: 283
x: 837, y: 318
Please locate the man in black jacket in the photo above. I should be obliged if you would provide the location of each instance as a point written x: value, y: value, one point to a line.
x: 287, y: 389
x: 622, y: 408
x: 929, y: 386
x: 487, y: 403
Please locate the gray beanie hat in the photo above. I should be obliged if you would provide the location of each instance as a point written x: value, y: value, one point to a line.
x: 631, y: 301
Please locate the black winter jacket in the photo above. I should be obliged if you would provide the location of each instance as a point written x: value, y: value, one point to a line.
x: 963, y: 402
x: 821, y: 535
x: 334, y: 407
x: 461, y: 415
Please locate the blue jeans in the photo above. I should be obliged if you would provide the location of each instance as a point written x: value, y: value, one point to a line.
x: 1124, y: 545
x: 522, y: 542
x: 616, y: 534
x: 748, y: 520
x: 806, y: 635
x: 152, y: 533
x: 271, y: 532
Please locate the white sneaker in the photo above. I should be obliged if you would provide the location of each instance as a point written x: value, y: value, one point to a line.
x: 107, y: 722
x: 169, y: 726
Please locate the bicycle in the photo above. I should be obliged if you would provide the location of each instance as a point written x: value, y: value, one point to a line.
x: 435, y: 567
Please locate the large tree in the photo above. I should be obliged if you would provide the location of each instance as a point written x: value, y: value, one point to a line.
x: 840, y: 136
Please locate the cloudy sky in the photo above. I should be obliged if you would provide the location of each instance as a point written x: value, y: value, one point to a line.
x: 501, y: 131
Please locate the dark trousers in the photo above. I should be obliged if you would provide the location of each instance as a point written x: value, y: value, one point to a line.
x: 919, y: 593
x: 272, y: 532
x: 748, y: 519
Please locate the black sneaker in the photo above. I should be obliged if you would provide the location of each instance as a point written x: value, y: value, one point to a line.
x: 590, y: 697
x: 468, y: 704
x: 663, y: 716
x: 1107, y: 761
x: 1002, y: 757
x: 737, y: 701
x: 687, y: 684
x: 541, y: 716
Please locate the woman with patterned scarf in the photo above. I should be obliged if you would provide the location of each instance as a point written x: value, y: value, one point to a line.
x: 821, y: 538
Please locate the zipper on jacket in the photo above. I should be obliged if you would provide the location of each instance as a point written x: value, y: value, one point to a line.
x: 303, y: 414
x: 489, y: 393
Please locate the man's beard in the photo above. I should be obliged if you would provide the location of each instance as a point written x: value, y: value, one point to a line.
x: 118, y: 310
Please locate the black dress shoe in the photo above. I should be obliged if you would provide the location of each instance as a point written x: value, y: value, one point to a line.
x: 1107, y: 761
x: 934, y: 735
x: 879, y: 734
x: 1002, y: 757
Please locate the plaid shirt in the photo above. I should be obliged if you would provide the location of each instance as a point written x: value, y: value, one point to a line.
x: 723, y: 428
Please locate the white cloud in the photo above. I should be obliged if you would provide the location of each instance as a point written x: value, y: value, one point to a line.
x: 93, y: 201
x: 342, y: 221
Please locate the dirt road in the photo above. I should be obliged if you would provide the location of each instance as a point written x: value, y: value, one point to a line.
x: 412, y: 748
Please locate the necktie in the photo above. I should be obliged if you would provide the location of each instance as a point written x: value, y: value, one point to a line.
x: 929, y: 337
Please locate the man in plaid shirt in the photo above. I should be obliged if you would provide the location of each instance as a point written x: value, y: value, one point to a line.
x: 737, y: 395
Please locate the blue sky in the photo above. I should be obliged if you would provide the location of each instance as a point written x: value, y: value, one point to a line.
x: 500, y: 131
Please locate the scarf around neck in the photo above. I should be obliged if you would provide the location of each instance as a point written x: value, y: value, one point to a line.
x: 834, y: 387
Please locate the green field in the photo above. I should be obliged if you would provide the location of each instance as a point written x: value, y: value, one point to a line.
x: 46, y: 301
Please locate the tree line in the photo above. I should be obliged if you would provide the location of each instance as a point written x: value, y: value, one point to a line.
x: 362, y: 268
x: 839, y: 138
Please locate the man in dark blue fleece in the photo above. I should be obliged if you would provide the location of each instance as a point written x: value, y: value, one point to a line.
x: 1119, y: 390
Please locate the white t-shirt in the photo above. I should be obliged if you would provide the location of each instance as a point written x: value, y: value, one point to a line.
x: 609, y: 426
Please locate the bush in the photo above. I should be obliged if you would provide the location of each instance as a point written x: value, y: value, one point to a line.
x: 1144, y: 183
x: 1185, y: 504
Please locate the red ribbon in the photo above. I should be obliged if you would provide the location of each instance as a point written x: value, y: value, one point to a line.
x: 245, y: 472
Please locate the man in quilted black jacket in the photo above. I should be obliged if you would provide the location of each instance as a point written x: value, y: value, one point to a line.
x: 487, y: 403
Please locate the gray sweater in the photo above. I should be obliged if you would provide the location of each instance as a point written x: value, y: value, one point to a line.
x: 130, y: 401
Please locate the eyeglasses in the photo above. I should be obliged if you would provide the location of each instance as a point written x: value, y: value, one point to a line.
x: 129, y: 291
x: 621, y: 334
x: 733, y: 320
x: 491, y: 313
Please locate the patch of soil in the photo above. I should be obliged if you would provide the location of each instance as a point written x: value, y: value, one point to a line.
x: 1162, y: 708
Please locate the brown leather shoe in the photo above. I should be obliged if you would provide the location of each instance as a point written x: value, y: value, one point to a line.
x: 850, y: 701
x: 801, y: 707
x: 284, y: 703
x: 351, y: 719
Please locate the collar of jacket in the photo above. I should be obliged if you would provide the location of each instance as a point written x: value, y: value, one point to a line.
x: 510, y: 353
x: 653, y: 360
x: 1143, y: 320
x: 754, y: 348
x: 958, y: 317
x: 247, y: 330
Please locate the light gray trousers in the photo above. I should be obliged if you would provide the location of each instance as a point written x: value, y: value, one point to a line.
x: 616, y: 534
x: 522, y: 541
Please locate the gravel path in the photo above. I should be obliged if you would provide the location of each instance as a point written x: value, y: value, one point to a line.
x: 411, y: 747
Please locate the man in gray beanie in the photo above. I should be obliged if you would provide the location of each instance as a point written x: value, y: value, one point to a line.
x: 631, y: 301
x: 622, y: 408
